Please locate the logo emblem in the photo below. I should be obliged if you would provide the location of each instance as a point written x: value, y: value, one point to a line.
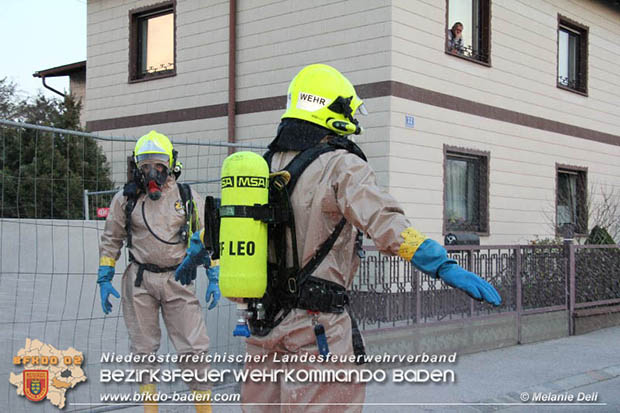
x: 178, y: 206
x: 228, y: 182
x: 35, y: 384
x: 311, y: 103
x: 251, y: 182
x: 57, y: 372
x: 244, y: 182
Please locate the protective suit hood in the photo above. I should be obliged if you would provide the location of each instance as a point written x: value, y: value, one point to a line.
x: 297, y: 135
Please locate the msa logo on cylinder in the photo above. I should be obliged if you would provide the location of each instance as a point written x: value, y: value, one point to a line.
x: 244, y: 182
x: 228, y: 182
x: 251, y: 182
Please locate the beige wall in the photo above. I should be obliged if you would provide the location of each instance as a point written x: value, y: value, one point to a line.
x: 201, y: 60
x: 77, y: 86
x: 523, y: 56
x: 273, y: 41
x: 522, y: 78
x: 522, y: 169
x: 372, y: 41
x: 276, y: 39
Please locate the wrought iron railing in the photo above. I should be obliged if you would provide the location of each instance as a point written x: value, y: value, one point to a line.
x: 471, y: 53
x: 597, y: 275
x: 389, y: 292
x: 163, y: 68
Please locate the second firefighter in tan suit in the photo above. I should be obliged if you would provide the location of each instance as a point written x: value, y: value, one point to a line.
x: 156, y: 236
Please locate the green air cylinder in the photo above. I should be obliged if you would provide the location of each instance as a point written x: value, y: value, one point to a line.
x: 243, y: 240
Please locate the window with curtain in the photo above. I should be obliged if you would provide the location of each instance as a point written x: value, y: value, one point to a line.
x: 152, y: 42
x: 466, y: 192
x: 474, y: 19
x: 572, y: 55
x: 571, y: 199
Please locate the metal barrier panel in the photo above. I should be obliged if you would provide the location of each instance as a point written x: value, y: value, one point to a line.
x: 384, y: 292
x: 597, y: 275
x: 389, y: 292
x: 543, y: 276
x: 51, y: 180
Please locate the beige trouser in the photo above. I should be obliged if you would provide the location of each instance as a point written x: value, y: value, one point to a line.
x: 295, y: 335
x: 283, y: 396
x: 181, y: 313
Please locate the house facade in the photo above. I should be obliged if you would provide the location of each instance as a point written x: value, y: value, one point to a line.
x: 509, y: 133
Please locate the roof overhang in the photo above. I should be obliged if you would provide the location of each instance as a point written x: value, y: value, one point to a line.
x: 64, y: 70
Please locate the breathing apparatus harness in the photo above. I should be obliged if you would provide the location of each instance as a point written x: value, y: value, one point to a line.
x: 295, y: 287
x: 133, y: 189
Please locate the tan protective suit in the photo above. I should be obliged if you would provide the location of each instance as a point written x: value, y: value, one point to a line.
x: 336, y: 184
x: 179, y: 306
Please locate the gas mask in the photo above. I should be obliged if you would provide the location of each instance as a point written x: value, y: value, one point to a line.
x: 155, y: 176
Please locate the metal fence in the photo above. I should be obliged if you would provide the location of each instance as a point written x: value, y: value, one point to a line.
x: 51, y: 182
x: 389, y: 292
x: 52, y: 173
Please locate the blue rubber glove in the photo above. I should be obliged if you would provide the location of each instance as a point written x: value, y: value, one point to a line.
x: 477, y: 288
x: 196, y: 255
x: 105, y: 275
x: 432, y: 258
x: 213, y: 289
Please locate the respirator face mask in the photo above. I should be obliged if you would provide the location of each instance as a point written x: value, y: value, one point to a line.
x: 155, y: 176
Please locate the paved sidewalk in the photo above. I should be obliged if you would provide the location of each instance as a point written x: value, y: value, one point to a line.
x: 567, y: 366
x: 495, y: 380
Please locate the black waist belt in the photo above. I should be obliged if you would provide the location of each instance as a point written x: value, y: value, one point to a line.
x: 148, y: 267
x: 323, y: 296
x: 328, y: 297
x: 315, y: 294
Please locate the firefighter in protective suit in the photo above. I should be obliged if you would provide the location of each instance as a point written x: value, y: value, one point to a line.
x: 156, y: 226
x: 338, y: 184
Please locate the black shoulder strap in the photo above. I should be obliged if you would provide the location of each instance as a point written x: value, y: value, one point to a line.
x: 185, y: 192
x: 268, y: 157
x: 191, y: 220
x: 296, y: 167
x: 186, y: 198
x: 130, y: 191
x: 340, y: 142
x: 321, y: 253
x: 303, y: 159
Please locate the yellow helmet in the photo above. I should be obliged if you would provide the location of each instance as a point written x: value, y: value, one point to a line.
x: 322, y: 95
x: 154, y: 145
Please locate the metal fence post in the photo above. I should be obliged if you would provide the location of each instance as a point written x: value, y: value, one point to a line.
x: 86, y: 215
x: 567, y: 230
x: 572, y: 290
x: 470, y: 268
x: 418, y: 294
x: 519, y: 299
